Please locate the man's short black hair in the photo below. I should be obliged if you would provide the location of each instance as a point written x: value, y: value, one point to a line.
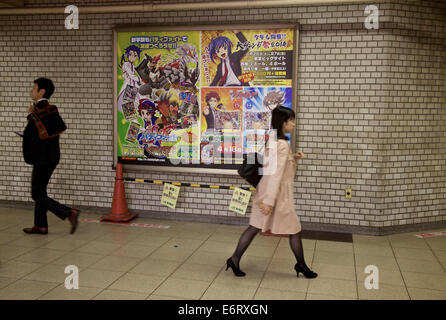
x: 47, y: 85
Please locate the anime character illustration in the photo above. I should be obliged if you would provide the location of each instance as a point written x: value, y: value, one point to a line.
x: 173, y: 111
x: 258, y: 108
x: 168, y: 110
x: 273, y: 99
x: 188, y: 121
x: 229, y: 69
x: 131, y: 83
x: 151, y: 75
x: 157, y: 132
x: 209, y: 109
x: 147, y: 111
x: 160, y: 72
x: 128, y: 68
x: 182, y: 67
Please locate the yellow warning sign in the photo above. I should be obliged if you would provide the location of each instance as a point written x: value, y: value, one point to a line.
x: 170, y: 195
x: 240, y: 201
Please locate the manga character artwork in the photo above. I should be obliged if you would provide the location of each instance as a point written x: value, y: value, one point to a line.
x: 197, y: 98
x: 129, y: 89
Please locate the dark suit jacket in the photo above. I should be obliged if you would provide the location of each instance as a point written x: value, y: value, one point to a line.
x: 234, y: 60
x: 36, y: 151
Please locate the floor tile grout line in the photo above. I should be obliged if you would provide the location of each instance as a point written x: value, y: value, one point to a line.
x: 312, y: 262
x: 48, y: 291
x: 436, y: 257
x: 15, y: 280
x: 126, y: 272
x: 43, y: 266
x: 107, y: 288
x: 355, y: 270
x: 264, y: 273
x: 102, y: 257
x: 145, y: 298
x: 22, y: 279
x: 21, y: 254
x: 203, y: 242
x: 212, y: 282
x: 179, y: 266
x: 399, y: 268
x: 218, y: 273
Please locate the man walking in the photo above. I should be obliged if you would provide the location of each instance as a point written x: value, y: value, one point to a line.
x: 44, y: 155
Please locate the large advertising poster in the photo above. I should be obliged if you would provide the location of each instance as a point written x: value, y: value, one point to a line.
x: 199, y: 98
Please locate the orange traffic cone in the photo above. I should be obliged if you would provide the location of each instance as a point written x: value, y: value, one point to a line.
x: 119, y: 211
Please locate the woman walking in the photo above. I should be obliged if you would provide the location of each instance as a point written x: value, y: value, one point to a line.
x: 273, y: 206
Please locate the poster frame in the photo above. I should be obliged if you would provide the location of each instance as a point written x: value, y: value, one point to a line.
x: 152, y: 28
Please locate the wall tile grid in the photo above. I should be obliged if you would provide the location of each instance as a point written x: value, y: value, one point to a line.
x: 371, y: 111
x: 415, y: 153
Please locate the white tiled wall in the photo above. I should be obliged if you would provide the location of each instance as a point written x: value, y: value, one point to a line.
x: 371, y: 111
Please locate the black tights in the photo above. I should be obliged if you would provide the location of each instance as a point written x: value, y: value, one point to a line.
x: 249, y: 234
x: 297, y: 248
x: 243, y: 243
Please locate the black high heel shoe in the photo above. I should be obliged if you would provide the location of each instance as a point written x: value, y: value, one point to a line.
x: 305, y: 271
x: 237, y: 271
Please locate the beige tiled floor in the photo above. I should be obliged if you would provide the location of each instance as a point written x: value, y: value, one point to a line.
x: 187, y: 261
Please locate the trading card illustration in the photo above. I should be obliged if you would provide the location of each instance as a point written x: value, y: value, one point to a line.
x: 130, y: 93
x: 207, y: 152
x: 133, y: 131
x: 188, y: 108
x: 228, y: 120
x: 257, y: 120
x: 129, y: 110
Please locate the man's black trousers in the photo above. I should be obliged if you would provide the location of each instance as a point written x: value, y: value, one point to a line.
x: 40, y: 177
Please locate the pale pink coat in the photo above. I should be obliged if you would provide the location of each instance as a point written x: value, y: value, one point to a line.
x: 277, y: 191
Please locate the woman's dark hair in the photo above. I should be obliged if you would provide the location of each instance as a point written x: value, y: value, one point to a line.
x: 47, y: 85
x: 280, y: 115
